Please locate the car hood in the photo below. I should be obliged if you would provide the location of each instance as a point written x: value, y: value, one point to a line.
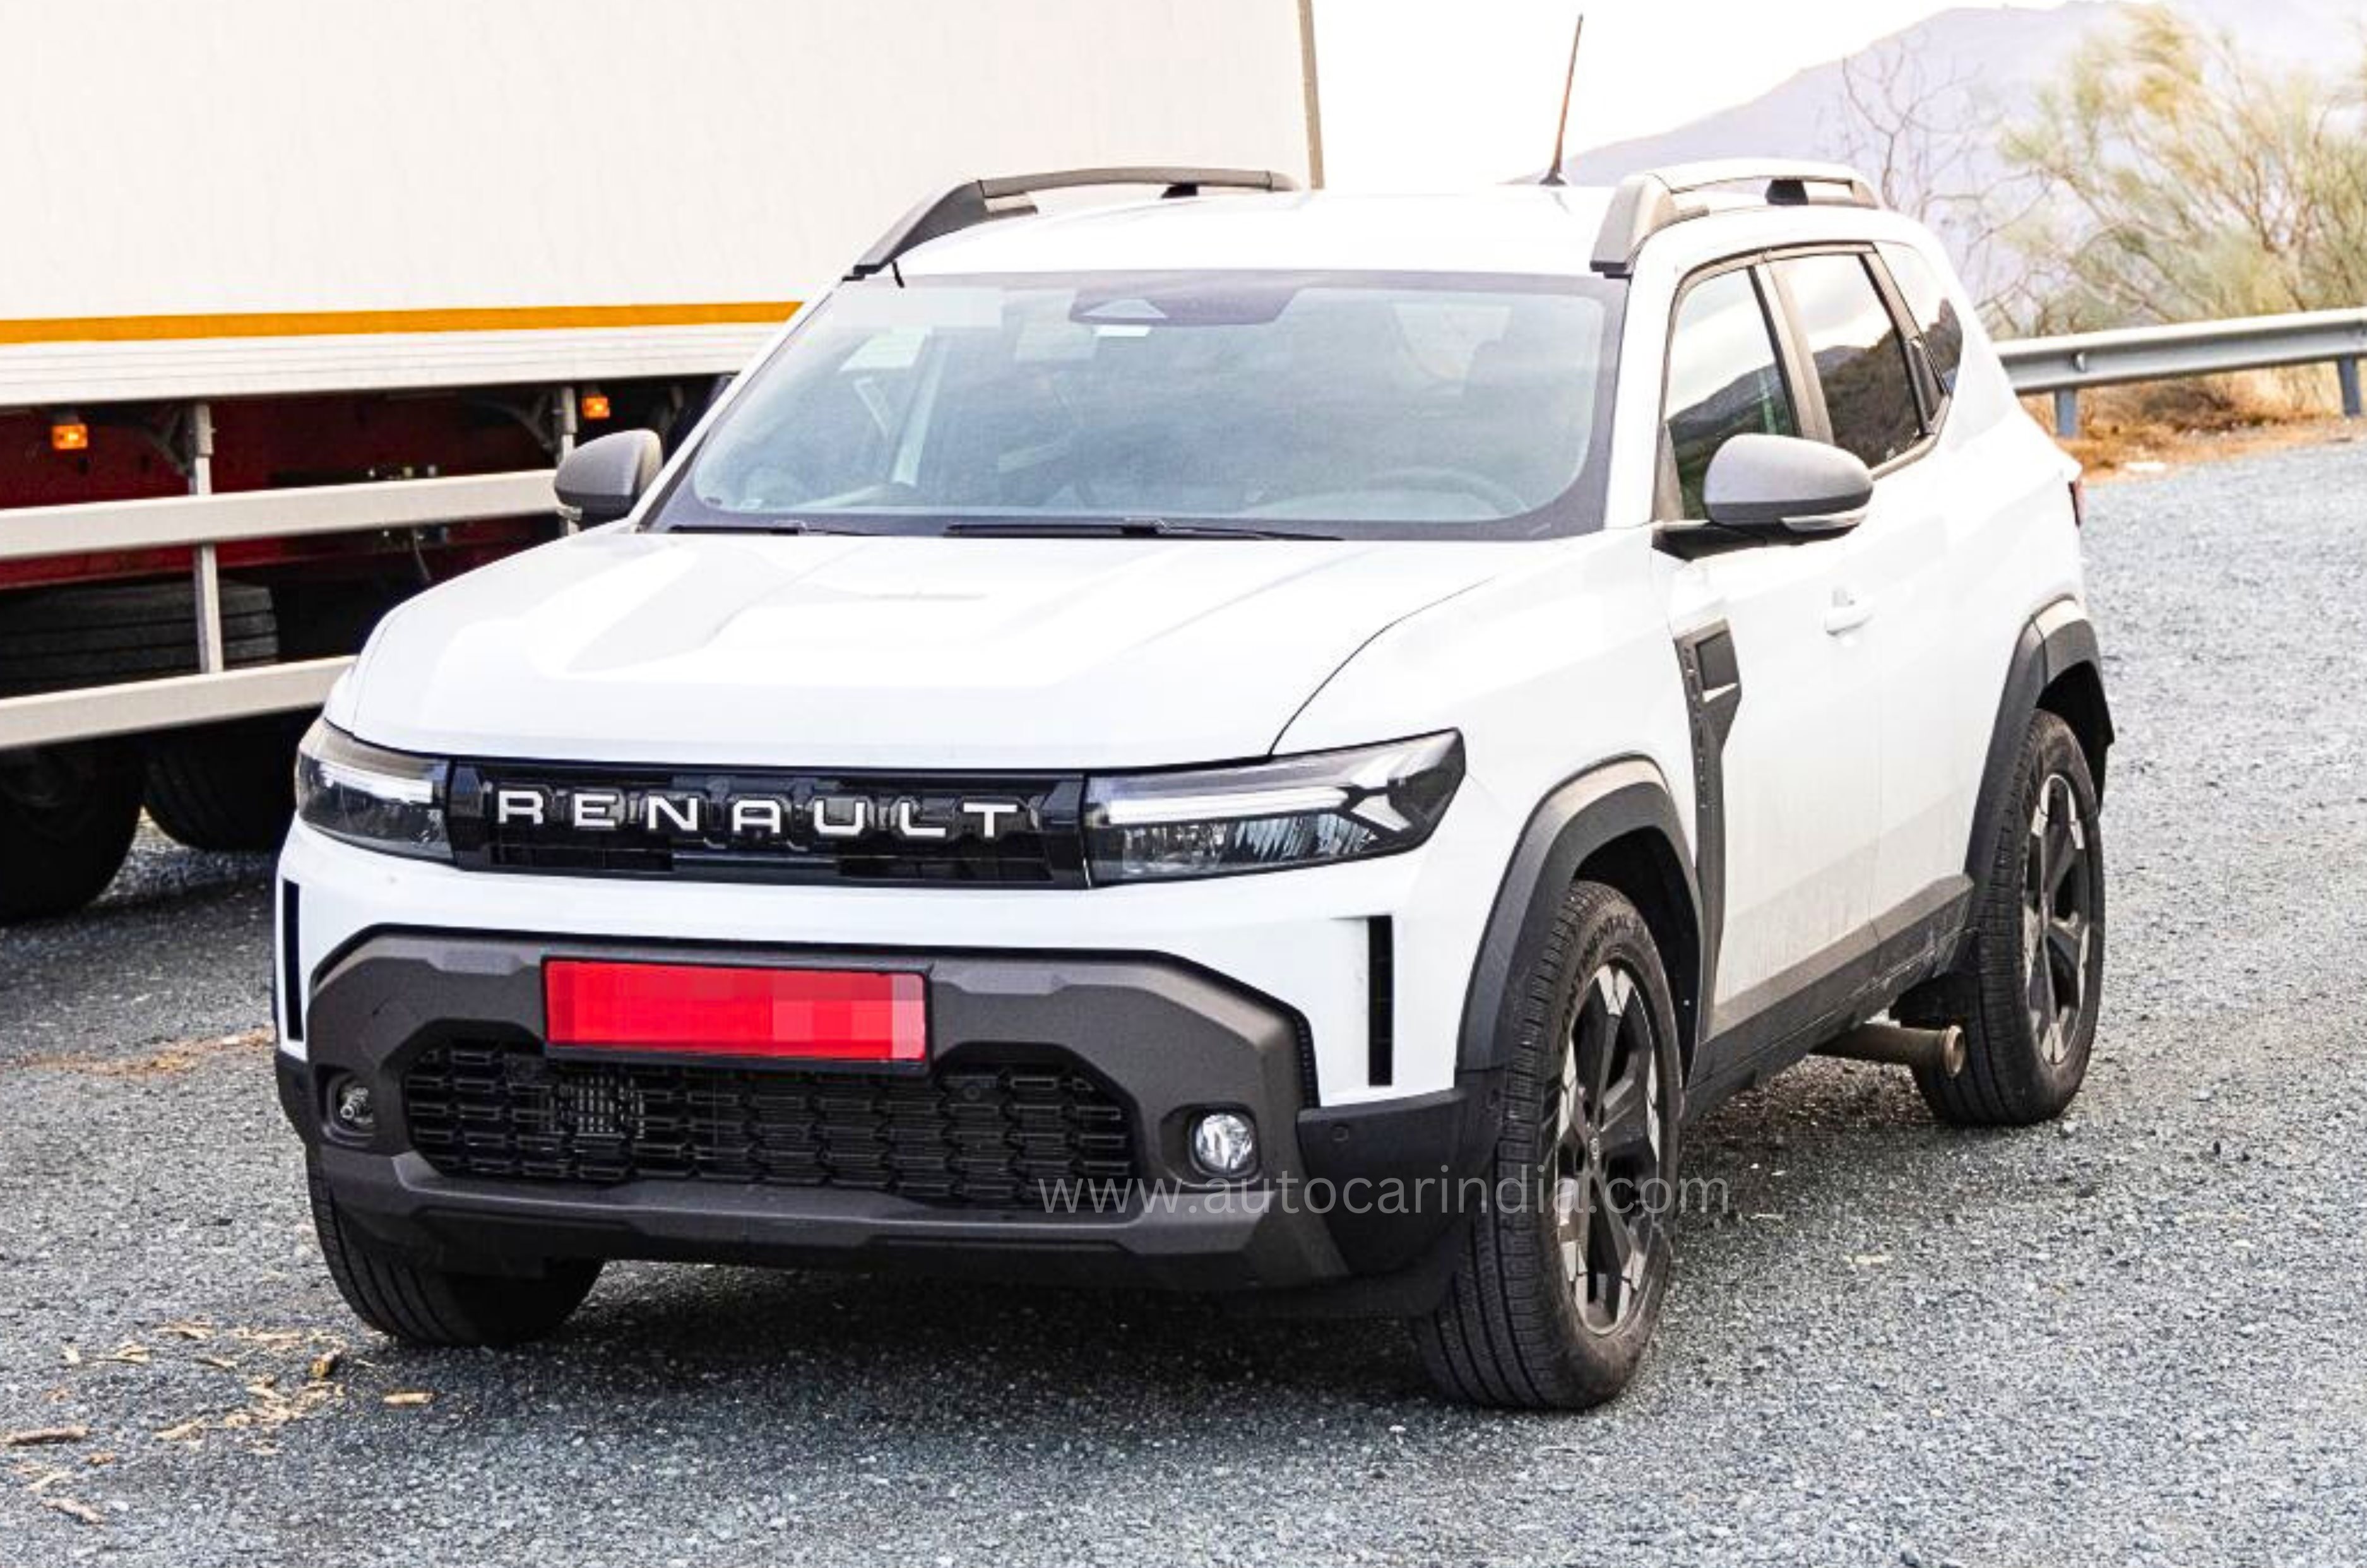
x: 834, y: 651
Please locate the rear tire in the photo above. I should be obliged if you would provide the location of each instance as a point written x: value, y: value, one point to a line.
x: 226, y: 787
x: 1560, y: 1281
x: 67, y: 814
x: 436, y: 1307
x: 2029, y: 1002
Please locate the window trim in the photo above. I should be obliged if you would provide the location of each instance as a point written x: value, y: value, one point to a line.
x: 1928, y: 384
x: 1910, y: 341
x: 1794, y: 361
x: 1666, y: 506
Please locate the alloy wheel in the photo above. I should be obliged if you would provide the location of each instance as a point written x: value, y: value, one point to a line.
x: 1610, y: 1137
x: 2057, y: 924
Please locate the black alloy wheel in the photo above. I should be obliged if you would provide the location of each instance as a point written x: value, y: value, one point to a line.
x: 1608, y: 1149
x: 2057, y: 926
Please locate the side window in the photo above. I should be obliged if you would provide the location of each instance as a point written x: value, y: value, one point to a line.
x: 1934, y: 312
x: 1723, y: 379
x: 1859, y: 357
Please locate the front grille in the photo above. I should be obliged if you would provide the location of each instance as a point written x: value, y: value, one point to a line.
x: 684, y: 825
x: 1005, y: 1135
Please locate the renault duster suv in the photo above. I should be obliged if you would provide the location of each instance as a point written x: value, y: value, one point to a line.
x: 1254, y: 742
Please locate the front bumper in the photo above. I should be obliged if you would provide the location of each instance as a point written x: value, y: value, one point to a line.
x: 1165, y: 1037
x: 1304, y: 939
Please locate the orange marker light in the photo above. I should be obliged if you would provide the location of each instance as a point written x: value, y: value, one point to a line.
x: 595, y: 405
x: 69, y: 435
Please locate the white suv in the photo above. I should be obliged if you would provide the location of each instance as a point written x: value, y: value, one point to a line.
x: 1273, y: 742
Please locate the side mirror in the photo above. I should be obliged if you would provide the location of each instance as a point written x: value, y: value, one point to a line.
x: 1783, y: 485
x: 599, y: 481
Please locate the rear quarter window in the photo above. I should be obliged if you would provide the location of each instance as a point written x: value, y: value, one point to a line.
x: 1935, y: 313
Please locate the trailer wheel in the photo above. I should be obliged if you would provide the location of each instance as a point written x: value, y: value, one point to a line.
x: 67, y: 814
x: 226, y: 787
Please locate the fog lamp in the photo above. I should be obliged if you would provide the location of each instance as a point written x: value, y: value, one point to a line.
x: 351, y: 1108
x: 1224, y: 1144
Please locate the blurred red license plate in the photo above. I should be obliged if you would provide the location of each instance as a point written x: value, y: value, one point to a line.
x: 799, y: 1014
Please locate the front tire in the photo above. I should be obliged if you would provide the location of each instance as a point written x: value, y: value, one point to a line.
x: 437, y: 1307
x: 2030, y: 1001
x: 1561, y: 1278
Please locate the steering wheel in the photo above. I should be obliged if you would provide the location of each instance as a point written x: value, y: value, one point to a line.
x: 1424, y: 477
x: 771, y: 486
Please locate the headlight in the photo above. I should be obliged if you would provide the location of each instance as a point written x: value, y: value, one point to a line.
x: 1294, y: 810
x: 379, y: 799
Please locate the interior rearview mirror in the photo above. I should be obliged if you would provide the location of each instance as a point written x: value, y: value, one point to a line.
x: 1783, y: 485
x: 599, y: 481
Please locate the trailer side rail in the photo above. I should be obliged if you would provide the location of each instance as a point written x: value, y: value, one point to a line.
x: 207, y: 521
x: 549, y: 365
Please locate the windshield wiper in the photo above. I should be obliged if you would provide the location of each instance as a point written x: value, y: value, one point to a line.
x: 751, y: 526
x: 1118, y: 528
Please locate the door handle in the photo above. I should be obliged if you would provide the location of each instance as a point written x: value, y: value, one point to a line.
x: 1847, y: 613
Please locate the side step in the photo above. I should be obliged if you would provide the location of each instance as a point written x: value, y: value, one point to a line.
x: 1899, y: 1046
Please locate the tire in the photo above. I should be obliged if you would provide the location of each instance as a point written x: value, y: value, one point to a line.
x: 67, y: 814
x: 2029, y: 1000
x: 435, y: 1307
x: 1546, y: 1309
x: 226, y: 787
x: 57, y: 639
x: 317, y: 620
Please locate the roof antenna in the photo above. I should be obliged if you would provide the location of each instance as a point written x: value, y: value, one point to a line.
x: 1561, y: 127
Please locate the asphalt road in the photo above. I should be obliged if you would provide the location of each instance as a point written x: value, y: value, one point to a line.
x: 2134, y: 1337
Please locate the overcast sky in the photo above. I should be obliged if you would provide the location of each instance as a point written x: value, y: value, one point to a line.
x: 1449, y: 92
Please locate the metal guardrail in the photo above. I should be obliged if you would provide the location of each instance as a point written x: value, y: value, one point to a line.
x: 2064, y: 365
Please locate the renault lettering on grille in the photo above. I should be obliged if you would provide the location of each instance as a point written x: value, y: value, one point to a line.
x: 766, y: 817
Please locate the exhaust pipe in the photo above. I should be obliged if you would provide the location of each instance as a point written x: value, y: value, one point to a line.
x: 1942, y: 1050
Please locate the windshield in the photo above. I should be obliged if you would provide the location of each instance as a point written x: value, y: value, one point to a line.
x: 1335, y: 404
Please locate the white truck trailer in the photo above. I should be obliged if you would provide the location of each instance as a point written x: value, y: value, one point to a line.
x: 304, y: 298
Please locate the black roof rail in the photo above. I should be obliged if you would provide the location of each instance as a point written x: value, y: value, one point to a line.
x: 977, y: 201
x: 1645, y: 204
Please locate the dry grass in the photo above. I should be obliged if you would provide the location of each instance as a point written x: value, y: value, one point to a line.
x: 165, y: 1061
x: 2153, y: 425
x: 273, y: 1379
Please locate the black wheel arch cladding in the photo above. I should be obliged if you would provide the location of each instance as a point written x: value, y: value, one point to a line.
x: 1620, y: 820
x: 2057, y: 666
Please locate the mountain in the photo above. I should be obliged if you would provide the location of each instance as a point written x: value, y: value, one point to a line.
x: 1966, y: 74
x: 1995, y: 57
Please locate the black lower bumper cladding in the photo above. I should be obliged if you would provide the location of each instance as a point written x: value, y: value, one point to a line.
x: 1045, y: 1140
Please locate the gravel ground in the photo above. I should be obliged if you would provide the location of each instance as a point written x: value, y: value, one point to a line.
x: 2132, y: 1338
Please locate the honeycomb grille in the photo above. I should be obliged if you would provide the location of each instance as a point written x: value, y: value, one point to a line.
x: 1001, y: 1136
